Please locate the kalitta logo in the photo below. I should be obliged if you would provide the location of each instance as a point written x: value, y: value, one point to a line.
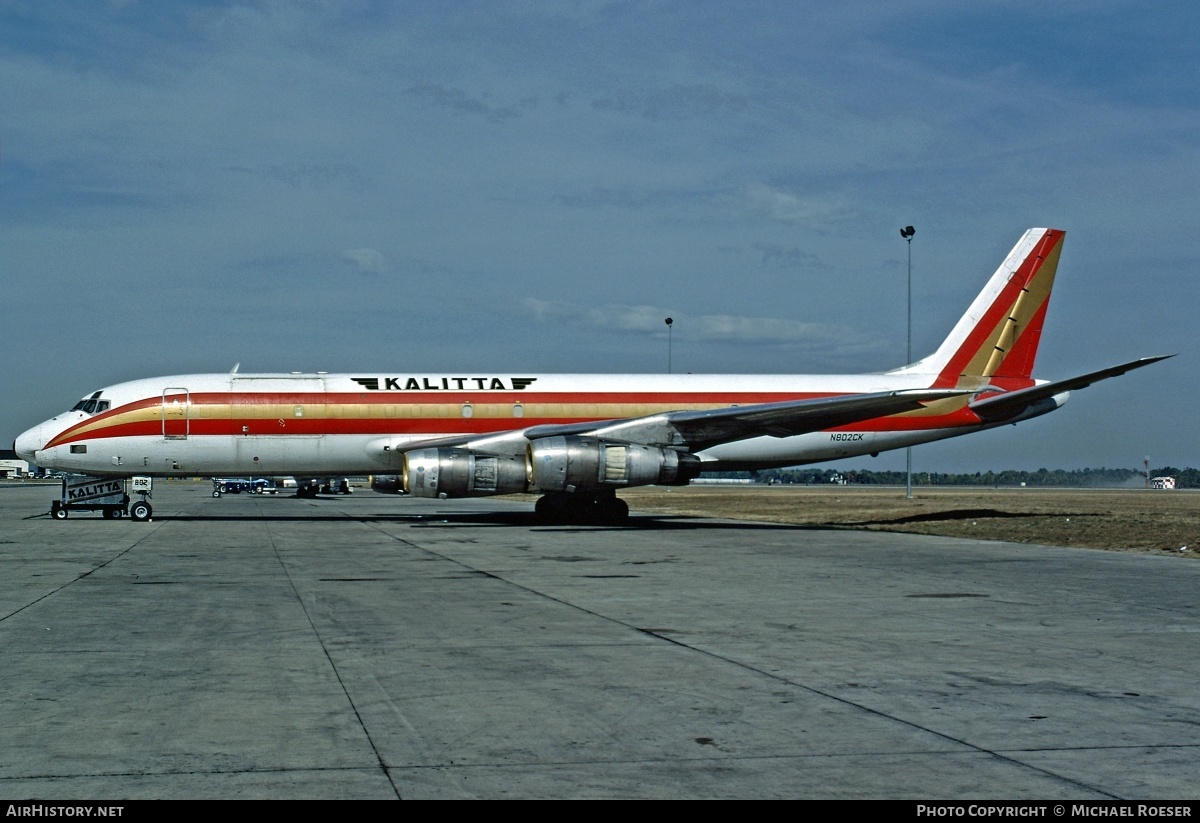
x: 92, y: 489
x: 444, y: 383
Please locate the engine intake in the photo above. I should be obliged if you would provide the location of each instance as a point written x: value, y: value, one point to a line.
x: 575, y: 463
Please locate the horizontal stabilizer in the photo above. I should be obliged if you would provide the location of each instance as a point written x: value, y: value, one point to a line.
x: 1011, y: 404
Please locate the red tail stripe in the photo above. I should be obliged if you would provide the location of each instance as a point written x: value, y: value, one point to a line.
x: 996, y: 311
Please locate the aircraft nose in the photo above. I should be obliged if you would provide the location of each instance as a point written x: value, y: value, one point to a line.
x: 28, y: 443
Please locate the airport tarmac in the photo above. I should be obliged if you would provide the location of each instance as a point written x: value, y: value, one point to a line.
x: 378, y: 647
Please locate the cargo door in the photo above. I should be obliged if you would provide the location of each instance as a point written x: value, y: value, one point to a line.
x: 278, y: 423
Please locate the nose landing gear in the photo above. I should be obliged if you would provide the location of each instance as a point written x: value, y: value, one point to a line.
x: 140, y: 511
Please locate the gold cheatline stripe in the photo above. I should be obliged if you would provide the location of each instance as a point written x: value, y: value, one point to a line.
x: 435, y: 411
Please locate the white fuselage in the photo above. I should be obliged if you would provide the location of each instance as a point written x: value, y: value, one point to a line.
x: 216, y: 424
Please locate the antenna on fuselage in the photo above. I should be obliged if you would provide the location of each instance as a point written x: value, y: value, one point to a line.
x: 235, y: 368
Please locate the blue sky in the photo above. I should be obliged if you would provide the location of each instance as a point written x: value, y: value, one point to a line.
x: 429, y: 186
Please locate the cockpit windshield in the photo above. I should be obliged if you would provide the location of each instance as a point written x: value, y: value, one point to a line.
x: 91, y: 405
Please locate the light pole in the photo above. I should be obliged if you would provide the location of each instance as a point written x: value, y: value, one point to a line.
x: 670, y: 322
x: 907, y: 233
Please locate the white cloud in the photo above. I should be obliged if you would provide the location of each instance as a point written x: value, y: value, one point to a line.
x: 784, y: 206
x: 367, y: 260
x: 651, y: 320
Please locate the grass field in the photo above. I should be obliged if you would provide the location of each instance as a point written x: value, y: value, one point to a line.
x: 1161, y: 522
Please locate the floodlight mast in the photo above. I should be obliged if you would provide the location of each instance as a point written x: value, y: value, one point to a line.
x: 907, y: 233
x: 670, y: 322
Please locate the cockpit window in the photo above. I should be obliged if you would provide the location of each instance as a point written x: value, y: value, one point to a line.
x: 91, y: 405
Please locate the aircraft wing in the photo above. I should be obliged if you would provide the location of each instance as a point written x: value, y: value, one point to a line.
x: 1010, y: 404
x: 697, y: 430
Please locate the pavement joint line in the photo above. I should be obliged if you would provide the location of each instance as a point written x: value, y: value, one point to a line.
x: 328, y: 657
x: 739, y: 664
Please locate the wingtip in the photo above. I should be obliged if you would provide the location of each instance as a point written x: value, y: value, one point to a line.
x: 1146, y: 361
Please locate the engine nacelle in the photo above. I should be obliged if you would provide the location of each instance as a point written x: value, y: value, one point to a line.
x: 386, y: 484
x: 573, y: 463
x: 461, y: 473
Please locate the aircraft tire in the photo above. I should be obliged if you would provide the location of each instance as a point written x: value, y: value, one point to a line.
x: 551, y: 509
x: 617, y: 510
x: 140, y: 511
x: 603, y: 510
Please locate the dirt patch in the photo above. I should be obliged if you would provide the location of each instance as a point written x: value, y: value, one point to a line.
x: 1162, y: 522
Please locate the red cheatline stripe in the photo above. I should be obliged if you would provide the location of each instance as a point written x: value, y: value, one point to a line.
x: 265, y: 427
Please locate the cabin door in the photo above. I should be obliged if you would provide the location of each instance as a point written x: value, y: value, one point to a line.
x: 176, y: 410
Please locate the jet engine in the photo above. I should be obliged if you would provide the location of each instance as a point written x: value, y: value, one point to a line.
x: 574, y: 463
x: 461, y: 473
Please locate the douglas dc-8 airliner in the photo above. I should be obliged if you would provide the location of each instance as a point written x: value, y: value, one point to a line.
x: 576, y: 439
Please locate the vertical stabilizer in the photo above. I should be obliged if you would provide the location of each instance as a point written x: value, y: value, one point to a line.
x: 998, y: 336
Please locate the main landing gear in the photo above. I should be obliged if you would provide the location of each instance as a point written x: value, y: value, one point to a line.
x: 600, y: 508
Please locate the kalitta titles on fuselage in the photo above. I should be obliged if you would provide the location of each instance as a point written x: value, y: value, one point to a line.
x: 444, y: 383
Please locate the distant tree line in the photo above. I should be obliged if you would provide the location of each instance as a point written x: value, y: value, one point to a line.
x: 1058, y: 478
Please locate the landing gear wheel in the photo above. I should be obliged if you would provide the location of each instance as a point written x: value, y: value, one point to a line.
x: 615, y: 510
x: 551, y: 508
x: 582, y: 510
x: 140, y: 511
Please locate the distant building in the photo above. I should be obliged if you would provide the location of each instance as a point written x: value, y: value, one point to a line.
x: 1162, y: 482
x: 11, y: 465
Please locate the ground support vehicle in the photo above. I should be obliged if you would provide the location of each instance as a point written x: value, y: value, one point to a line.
x: 226, y: 485
x: 103, y: 494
